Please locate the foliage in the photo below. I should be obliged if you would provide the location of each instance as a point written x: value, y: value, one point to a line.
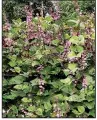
x: 68, y: 8
x: 15, y: 9
x: 48, y: 68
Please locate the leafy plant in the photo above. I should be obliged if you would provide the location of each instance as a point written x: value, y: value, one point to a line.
x: 48, y: 69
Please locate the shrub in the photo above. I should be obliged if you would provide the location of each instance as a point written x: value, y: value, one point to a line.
x: 68, y: 8
x: 48, y: 68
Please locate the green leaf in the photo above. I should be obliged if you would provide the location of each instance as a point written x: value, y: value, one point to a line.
x: 47, y: 105
x: 12, y: 63
x: 46, y: 52
x: 81, y: 39
x: 14, y: 109
x: 55, y: 42
x: 31, y: 108
x: 13, y: 57
x: 66, y: 71
x: 56, y: 27
x: 75, y: 112
x: 76, y: 98
x: 71, y: 55
x: 82, y: 26
x: 44, y: 25
x: 16, y: 80
x: 67, y: 36
x: 35, y: 82
x: 72, y: 66
x: 80, y: 49
x: 5, y: 82
x: 39, y: 111
x: 92, y: 113
x: 18, y: 87
x: 38, y: 54
x: 34, y: 63
x: 90, y: 105
x: 60, y: 48
x: 81, y: 109
x: 48, y: 19
x: 90, y: 80
x: 17, y: 69
x: 74, y: 40
x: 93, y: 36
x: 67, y: 81
x: 26, y: 100
x: 59, y: 97
x: 73, y: 23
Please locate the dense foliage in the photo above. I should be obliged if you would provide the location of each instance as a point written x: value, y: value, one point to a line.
x: 15, y: 9
x: 49, y: 67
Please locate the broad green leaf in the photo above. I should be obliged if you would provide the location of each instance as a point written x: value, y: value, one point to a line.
x: 38, y: 54
x: 26, y: 100
x: 35, y: 82
x: 17, y: 69
x: 81, y: 39
x: 16, y: 80
x: 90, y: 80
x: 31, y: 108
x: 80, y: 49
x: 71, y: 55
x: 59, y: 97
x: 67, y: 36
x: 72, y: 66
x: 18, y: 87
x: 73, y: 22
x: 44, y: 25
x: 90, y: 105
x: 35, y: 63
x: 47, y: 105
x: 46, y: 52
x: 75, y: 112
x: 67, y: 81
x: 81, y: 109
x: 5, y: 82
x: 78, y: 55
x: 19, y: 62
x: 39, y: 111
x: 82, y: 26
x: 92, y: 113
x: 76, y: 98
x: 74, y: 40
x: 60, y: 48
x: 48, y: 19
x: 12, y: 63
x: 56, y: 27
x: 13, y: 57
x: 66, y: 71
x: 55, y: 42
x: 93, y: 36
x: 14, y: 109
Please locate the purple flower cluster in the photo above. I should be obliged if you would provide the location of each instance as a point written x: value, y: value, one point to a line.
x: 82, y: 60
x: 28, y: 14
x: 41, y: 86
x: 6, y: 27
x: 66, y: 49
x: 7, y: 42
x: 84, y: 82
x: 39, y: 68
x: 55, y: 15
x: 57, y: 110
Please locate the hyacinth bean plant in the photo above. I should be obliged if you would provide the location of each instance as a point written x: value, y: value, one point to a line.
x: 49, y: 68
